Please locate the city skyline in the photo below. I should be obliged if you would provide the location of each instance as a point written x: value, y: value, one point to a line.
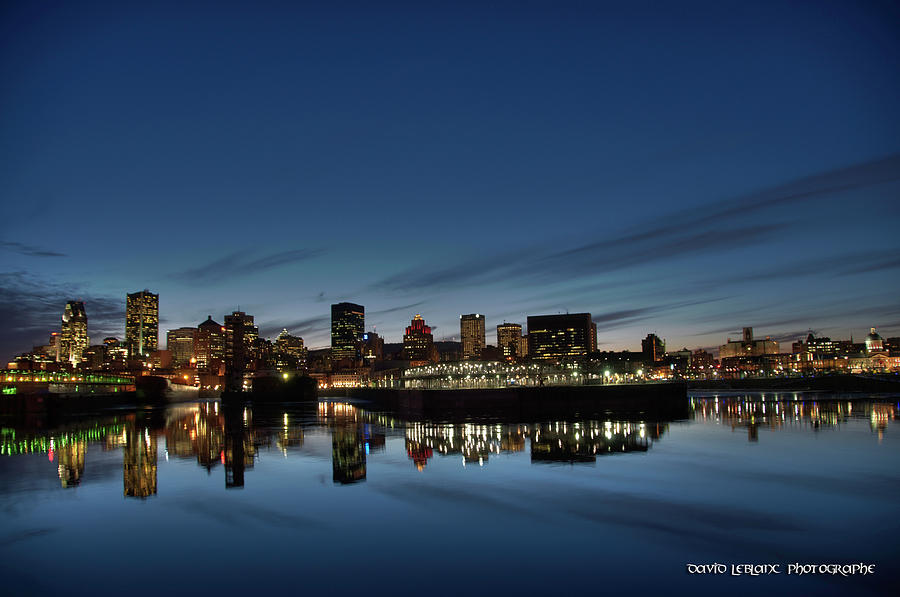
x: 687, y: 171
x: 356, y: 311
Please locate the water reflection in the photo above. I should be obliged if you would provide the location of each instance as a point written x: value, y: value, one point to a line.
x: 139, y: 454
x: 233, y: 436
x: 774, y: 413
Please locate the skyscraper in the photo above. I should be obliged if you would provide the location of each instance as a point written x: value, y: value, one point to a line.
x: 418, y: 343
x: 209, y: 345
x: 555, y: 337
x: 348, y: 321
x: 141, y: 323
x: 290, y: 351
x: 180, y: 342
x: 654, y: 348
x: 73, y: 339
x: 509, y: 336
x: 240, y: 335
x: 471, y: 333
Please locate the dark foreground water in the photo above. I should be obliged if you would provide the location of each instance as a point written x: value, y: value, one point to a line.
x: 333, y: 499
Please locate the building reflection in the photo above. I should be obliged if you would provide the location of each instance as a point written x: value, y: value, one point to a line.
x: 348, y: 441
x: 584, y: 441
x: 475, y: 443
x: 71, y: 463
x: 234, y: 436
x: 197, y: 433
x: 290, y: 436
x: 796, y: 413
x: 139, y: 461
x: 239, y: 449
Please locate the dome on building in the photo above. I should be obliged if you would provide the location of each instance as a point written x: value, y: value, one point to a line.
x: 874, y: 341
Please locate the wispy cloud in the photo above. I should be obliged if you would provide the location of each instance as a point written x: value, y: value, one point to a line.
x: 299, y: 327
x: 240, y: 264
x: 719, y: 226
x: 29, y: 250
x: 616, y: 319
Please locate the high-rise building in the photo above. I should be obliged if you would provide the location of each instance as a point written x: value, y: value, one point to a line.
x: 141, y: 323
x: 180, y: 342
x: 290, y: 351
x: 73, y: 339
x: 471, y: 332
x: 240, y: 337
x: 508, y: 337
x: 418, y: 343
x: 348, y: 321
x: 653, y: 348
x: 209, y: 345
x: 555, y: 337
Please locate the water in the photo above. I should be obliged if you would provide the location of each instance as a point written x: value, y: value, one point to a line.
x: 334, y: 499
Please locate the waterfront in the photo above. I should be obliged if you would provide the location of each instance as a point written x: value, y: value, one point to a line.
x: 331, y: 497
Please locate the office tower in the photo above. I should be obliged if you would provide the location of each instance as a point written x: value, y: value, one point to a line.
x: 471, y: 333
x: 290, y: 351
x: 209, y: 345
x: 653, y: 348
x: 73, y: 339
x: 508, y: 338
x: 240, y: 336
x: 348, y: 321
x: 418, y: 343
x: 180, y: 342
x: 555, y: 337
x: 141, y: 323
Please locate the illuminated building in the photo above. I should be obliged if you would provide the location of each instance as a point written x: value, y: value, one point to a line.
x: 94, y: 357
x: 748, y: 347
x: 180, y: 342
x: 348, y: 321
x: 471, y: 333
x: 555, y: 337
x: 418, y: 343
x: 290, y: 353
x: 653, y: 348
x: 52, y: 347
x: 508, y: 338
x: 874, y: 343
x: 372, y: 347
x: 240, y: 336
x: 209, y: 345
x: 73, y: 339
x: 141, y: 323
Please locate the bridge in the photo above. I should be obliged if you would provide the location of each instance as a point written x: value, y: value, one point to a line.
x: 22, y: 382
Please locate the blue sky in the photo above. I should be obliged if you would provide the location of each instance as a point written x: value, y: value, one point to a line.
x: 686, y: 169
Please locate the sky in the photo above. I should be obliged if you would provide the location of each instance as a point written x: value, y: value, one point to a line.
x: 680, y: 168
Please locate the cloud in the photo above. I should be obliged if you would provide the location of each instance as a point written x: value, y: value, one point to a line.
x: 299, y: 327
x: 30, y: 308
x: 29, y: 250
x: 408, y: 307
x: 719, y: 226
x: 239, y: 264
x: 615, y: 319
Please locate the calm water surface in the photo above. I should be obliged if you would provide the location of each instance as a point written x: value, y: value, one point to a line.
x: 332, y: 498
